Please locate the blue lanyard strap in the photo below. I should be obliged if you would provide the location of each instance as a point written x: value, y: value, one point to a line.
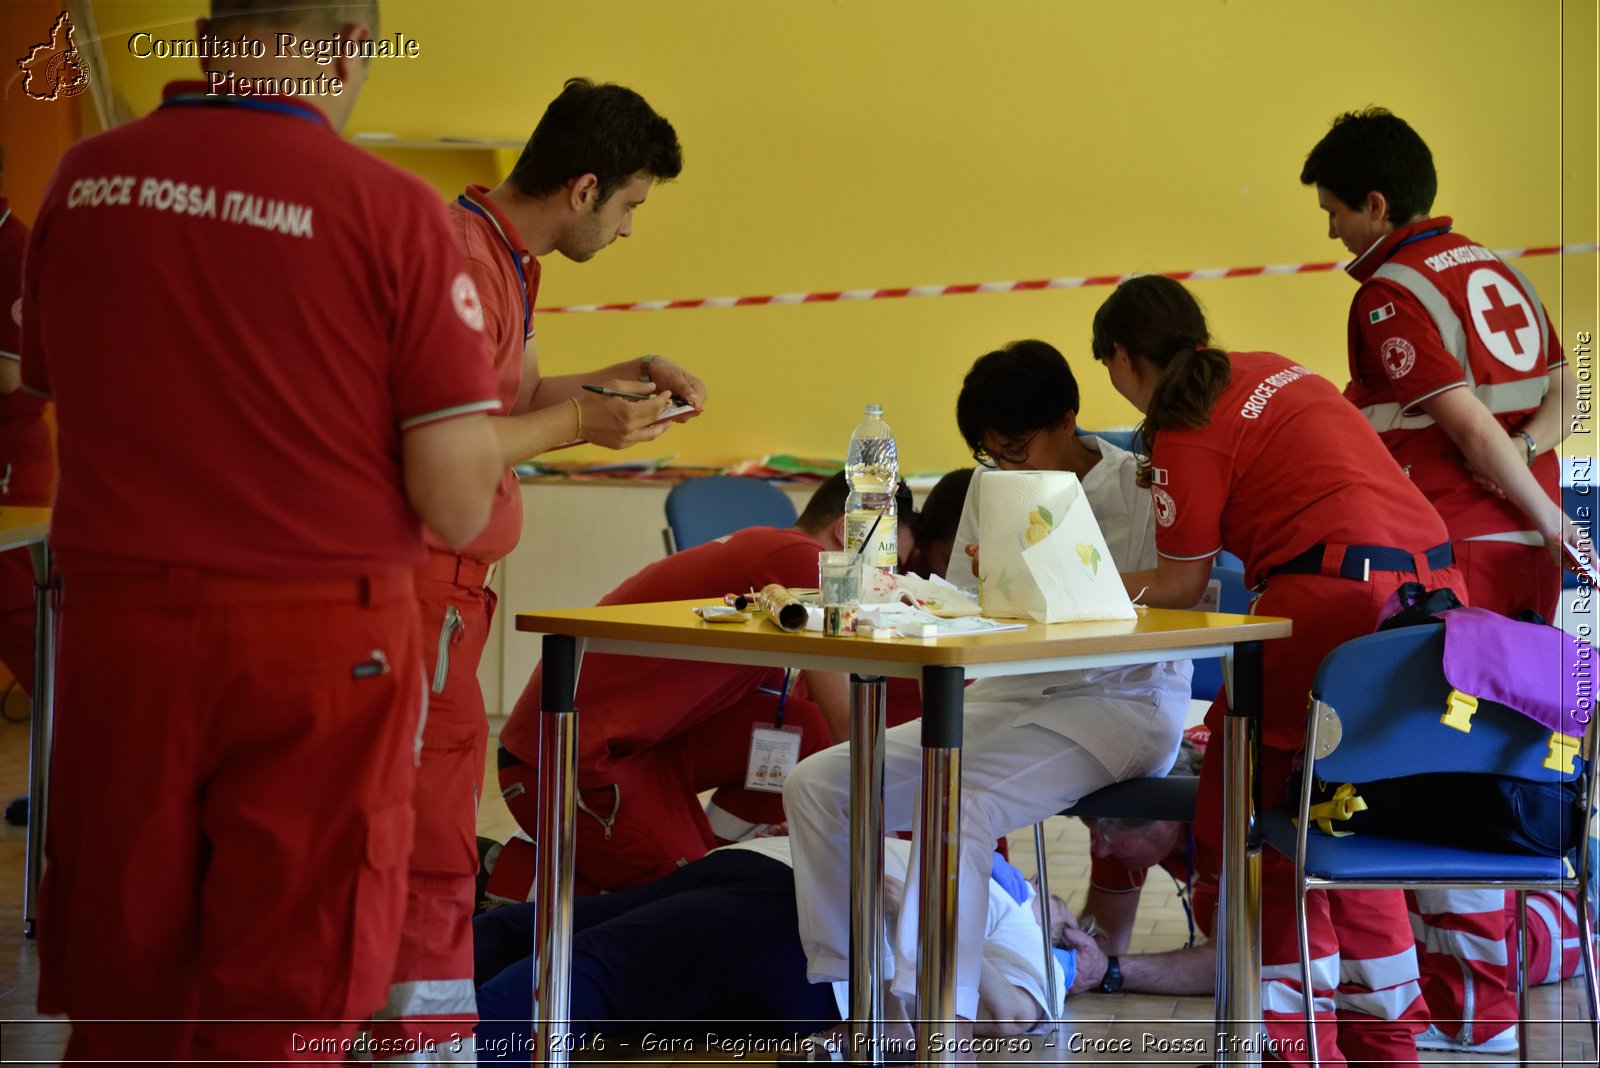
x: 282, y: 107
x: 516, y: 261
x: 789, y: 676
x: 1420, y: 237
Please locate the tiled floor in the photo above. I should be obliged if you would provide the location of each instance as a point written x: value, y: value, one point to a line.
x: 1100, y: 1029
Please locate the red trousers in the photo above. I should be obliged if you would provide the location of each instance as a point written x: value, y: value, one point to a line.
x: 650, y: 821
x: 1366, y: 996
x: 432, y: 1000
x: 27, y: 480
x: 1466, y: 945
x: 16, y: 616
x: 1508, y: 578
x: 230, y: 812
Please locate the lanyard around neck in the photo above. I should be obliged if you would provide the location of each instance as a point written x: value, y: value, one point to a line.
x: 281, y: 107
x: 516, y: 259
x: 1420, y: 237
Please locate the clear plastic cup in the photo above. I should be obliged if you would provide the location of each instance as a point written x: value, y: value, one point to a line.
x: 839, y: 578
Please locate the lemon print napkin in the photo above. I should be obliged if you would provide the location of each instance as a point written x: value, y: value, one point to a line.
x: 1041, y: 555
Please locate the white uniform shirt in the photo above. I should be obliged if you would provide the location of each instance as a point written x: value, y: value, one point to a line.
x: 1127, y: 522
x: 1012, y: 944
x: 1121, y: 506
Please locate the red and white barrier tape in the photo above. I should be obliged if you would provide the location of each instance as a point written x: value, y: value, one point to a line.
x: 1204, y: 274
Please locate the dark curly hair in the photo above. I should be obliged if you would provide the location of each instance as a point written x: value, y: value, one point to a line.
x: 604, y: 130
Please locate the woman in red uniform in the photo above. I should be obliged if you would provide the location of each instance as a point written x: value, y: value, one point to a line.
x: 1251, y: 453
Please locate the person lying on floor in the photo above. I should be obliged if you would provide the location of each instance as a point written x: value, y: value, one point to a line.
x: 717, y: 943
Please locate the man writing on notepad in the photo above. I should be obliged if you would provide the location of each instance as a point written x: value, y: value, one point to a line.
x: 589, y: 165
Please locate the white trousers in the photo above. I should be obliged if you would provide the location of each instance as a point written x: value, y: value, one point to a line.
x: 1022, y: 759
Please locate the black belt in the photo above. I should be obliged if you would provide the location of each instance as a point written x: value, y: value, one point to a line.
x: 1360, y: 560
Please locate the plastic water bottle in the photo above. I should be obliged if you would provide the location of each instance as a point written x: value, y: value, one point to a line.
x: 872, y: 468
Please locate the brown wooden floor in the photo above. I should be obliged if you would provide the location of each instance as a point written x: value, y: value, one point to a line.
x: 1094, y: 1021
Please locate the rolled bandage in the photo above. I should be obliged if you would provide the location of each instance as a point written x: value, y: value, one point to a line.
x: 782, y: 607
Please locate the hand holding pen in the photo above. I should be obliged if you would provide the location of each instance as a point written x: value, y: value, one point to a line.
x: 617, y: 414
x: 665, y: 374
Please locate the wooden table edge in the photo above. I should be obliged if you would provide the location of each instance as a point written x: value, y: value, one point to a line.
x: 1173, y: 629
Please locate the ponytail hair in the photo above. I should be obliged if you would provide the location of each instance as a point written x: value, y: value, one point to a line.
x: 1158, y: 321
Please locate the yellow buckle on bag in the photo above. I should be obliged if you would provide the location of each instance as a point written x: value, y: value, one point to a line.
x: 1563, y: 751
x: 1458, y: 710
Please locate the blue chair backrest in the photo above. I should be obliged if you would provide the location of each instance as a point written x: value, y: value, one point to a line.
x: 704, y: 509
x: 1207, y: 678
x: 1389, y: 692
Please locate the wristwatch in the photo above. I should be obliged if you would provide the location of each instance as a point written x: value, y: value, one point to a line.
x: 644, y: 368
x: 1527, y: 440
x: 1112, y: 981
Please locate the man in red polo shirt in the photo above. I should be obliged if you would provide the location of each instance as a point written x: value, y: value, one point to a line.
x: 27, y: 464
x: 590, y: 163
x: 279, y: 379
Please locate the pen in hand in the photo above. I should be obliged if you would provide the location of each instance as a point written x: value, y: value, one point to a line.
x: 605, y: 392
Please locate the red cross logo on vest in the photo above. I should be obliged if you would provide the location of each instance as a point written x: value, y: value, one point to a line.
x: 1503, y: 319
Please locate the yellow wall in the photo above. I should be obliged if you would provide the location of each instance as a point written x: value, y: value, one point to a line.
x: 853, y: 144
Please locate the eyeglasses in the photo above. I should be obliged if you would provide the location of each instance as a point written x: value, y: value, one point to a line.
x: 1012, y: 454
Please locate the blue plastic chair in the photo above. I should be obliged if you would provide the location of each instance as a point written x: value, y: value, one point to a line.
x: 704, y: 509
x: 1376, y: 707
x: 1122, y: 439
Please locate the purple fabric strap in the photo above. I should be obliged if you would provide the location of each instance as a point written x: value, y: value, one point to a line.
x: 1518, y: 665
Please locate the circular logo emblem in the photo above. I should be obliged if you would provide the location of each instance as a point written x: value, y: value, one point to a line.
x: 1504, y: 321
x: 16, y: 311
x: 464, y: 295
x: 1398, y: 357
x: 1166, y: 507
x: 65, y: 75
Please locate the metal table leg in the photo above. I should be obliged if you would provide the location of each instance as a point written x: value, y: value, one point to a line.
x: 1239, y: 1020
x: 867, y: 699
x: 941, y: 861
x: 40, y: 731
x: 555, y: 852
x: 1041, y: 865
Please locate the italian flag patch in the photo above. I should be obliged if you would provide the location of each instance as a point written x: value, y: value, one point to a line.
x: 1379, y: 315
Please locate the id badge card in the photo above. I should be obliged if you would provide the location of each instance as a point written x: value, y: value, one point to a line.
x: 774, y: 751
